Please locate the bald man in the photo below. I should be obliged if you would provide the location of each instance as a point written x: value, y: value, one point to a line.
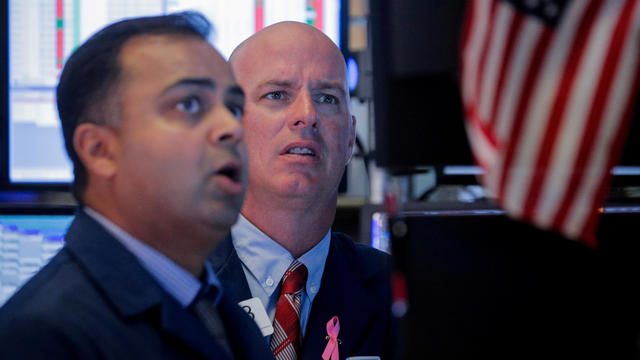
x: 300, y: 135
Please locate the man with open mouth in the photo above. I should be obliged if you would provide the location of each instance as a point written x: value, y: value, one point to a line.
x: 151, y: 118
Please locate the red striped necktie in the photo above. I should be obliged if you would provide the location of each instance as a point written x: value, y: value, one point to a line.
x: 286, y: 338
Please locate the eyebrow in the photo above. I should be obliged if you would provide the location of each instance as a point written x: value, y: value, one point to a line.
x: 234, y: 90
x: 201, y: 82
x: 234, y: 93
x: 330, y: 85
x: 275, y: 82
x: 316, y: 85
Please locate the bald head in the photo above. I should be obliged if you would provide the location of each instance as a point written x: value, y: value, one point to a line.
x: 298, y: 127
x: 287, y: 40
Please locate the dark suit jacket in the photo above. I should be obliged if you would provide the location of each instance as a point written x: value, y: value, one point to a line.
x: 94, y: 300
x: 355, y: 287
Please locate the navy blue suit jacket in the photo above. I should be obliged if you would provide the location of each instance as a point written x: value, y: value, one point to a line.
x: 94, y: 300
x: 355, y: 286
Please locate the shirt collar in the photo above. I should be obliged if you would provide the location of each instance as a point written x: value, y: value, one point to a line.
x: 268, y: 261
x: 178, y: 282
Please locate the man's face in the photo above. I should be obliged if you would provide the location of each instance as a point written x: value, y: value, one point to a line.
x: 298, y: 128
x: 182, y: 156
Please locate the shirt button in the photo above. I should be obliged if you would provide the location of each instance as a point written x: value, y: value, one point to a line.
x: 314, y: 289
x: 269, y: 281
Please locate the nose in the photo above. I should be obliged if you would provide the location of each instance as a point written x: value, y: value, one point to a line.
x: 227, y: 130
x: 303, y: 113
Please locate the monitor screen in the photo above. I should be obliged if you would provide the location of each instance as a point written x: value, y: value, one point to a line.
x: 42, y: 35
x: 29, y: 238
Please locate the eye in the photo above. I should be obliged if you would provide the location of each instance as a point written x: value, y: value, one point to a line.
x: 237, y: 111
x: 328, y: 99
x: 275, y: 95
x: 190, y: 105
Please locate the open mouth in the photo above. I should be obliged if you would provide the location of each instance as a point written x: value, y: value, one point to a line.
x: 230, y: 171
x: 301, y: 148
x: 301, y: 151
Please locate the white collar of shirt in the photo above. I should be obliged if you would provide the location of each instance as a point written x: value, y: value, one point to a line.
x: 268, y: 261
x: 178, y: 282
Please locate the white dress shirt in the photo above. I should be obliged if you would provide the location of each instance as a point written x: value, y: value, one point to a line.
x: 264, y: 262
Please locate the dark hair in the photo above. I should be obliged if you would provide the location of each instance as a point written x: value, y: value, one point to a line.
x: 91, y: 75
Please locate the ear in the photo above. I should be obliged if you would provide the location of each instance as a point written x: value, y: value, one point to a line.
x: 352, y: 139
x: 97, y: 147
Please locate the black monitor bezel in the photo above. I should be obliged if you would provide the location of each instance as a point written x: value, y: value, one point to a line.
x: 5, y: 182
x: 26, y: 209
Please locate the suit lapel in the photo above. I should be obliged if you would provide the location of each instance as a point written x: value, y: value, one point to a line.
x: 240, y: 327
x: 341, y: 294
x: 228, y: 268
x: 190, y: 330
x: 130, y: 288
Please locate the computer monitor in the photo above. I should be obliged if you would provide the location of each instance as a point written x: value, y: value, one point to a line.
x: 481, y: 285
x: 39, y: 36
x: 29, y: 237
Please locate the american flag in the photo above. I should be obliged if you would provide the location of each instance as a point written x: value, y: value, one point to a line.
x: 548, y: 89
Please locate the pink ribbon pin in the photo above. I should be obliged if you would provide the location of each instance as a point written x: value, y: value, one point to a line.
x: 331, y: 351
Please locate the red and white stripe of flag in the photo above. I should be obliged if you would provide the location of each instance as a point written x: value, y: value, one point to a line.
x: 547, y: 107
